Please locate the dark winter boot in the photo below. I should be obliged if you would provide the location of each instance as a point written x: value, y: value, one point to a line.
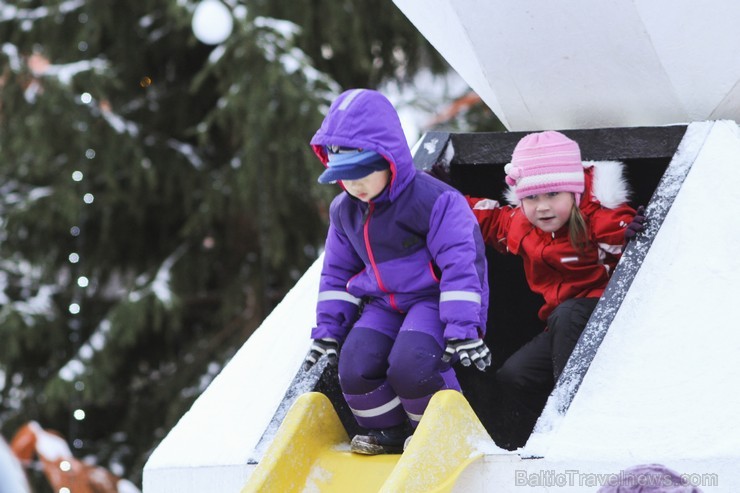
x: 386, y: 441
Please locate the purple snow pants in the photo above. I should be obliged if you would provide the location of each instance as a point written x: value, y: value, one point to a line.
x: 390, y: 364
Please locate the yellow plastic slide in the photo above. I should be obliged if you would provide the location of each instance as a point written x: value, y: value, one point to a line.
x: 310, y: 452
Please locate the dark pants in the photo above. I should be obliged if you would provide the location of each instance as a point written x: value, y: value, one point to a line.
x: 529, y: 375
x: 388, y: 382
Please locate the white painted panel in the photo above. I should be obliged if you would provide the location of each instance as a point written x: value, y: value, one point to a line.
x: 585, y: 64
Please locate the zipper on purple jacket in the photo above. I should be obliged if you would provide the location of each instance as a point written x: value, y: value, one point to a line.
x: 366, y: 235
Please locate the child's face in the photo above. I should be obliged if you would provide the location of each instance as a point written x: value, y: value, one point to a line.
x: 548, y: 211
x: 369, y: 187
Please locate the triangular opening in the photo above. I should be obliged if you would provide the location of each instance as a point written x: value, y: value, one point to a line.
x: 475, y: 162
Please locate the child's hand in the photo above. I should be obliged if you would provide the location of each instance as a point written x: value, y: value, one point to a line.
x: 637, y: 224
x: 468, y: 350
x: 320, y: 347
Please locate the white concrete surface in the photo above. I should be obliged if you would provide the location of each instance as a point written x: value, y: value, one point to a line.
x: 584, y: 64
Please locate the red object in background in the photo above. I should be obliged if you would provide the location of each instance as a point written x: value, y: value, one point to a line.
x: 60, y: 467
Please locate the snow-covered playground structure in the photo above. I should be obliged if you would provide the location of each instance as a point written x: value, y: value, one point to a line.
x: 650, y: 83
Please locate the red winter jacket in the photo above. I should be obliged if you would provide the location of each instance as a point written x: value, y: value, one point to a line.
x: 552, y: 266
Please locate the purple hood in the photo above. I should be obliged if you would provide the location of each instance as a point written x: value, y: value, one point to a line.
x: 365, y: 119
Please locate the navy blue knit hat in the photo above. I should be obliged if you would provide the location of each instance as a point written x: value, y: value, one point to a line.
x: 351, y: 164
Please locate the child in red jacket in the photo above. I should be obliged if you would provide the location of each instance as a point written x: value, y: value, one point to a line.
x: 568, y: 224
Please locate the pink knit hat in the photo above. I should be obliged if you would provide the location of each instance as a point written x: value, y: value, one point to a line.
x: 545, y: 162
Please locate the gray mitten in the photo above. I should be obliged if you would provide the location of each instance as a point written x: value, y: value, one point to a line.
x: 469, y: 351
x: 320, y: 347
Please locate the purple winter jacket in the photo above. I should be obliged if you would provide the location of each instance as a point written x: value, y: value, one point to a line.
x: 418, y: 240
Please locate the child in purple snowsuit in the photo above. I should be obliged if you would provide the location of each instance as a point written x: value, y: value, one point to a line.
x: 406, y: 248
